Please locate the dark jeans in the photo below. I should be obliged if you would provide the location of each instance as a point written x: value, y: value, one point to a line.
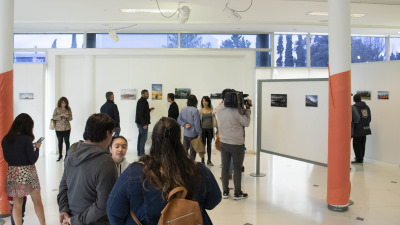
x: 207, y: 134
x: 236, y: 154
x: 23, y: 212
x: 63, y: 136
x: 142, y: 138
x: 116, y: 131
x: 359, y: 147
x: 187, y: 144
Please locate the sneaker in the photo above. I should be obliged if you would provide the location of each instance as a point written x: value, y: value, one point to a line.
x: 240, y: 195
x: 356, y: 162
x: 225, y: 195
x: 209, y: 163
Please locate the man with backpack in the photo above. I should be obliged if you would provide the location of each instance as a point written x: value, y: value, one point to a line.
x: 361, y: 129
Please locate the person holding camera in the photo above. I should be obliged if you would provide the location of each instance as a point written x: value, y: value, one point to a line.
x: 231, y: 124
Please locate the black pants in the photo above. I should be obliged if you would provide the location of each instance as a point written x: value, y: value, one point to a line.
x: 188, y: 145
x: 359, y: 147
x: 63, y: 136
x: 207, y: 135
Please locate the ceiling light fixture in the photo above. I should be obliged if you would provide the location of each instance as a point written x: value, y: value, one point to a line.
x: 234, y: 14
x: 354, y: 15
x: 113, y: 34
x: 183, y: 15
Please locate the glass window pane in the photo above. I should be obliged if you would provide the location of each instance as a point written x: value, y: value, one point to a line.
x: 137, y: 41
x: 395, y: 48
x: 368, y: 49
x: 48, y: 40
x: 319, y: 50
x: 290, y: 50
x: 29, y: 57
x: 263, y: 59
x: 225, y: 41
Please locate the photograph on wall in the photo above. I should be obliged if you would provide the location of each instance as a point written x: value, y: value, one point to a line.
x: 383, y: 95
x: 182, y: 93
x: 365, y: 95
x: 311, y: 100
x: 26, y: 96
x: 216, y: 94
x: 128, y: 94
x: 156, y: 91
x: 279, y: 100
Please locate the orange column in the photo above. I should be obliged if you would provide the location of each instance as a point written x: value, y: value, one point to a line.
x: 6, y: 89
x: 339, y: 133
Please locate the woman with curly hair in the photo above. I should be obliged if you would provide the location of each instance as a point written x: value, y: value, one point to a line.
x: 62, y: 115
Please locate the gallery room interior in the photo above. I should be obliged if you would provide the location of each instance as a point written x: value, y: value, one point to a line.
x: 82, y: 49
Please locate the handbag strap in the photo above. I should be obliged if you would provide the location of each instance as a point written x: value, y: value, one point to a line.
x: 135, y: 219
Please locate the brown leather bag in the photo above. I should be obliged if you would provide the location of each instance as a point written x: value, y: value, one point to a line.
x: 217, y: 142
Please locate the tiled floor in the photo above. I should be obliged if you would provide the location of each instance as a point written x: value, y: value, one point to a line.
x: 292, y: 192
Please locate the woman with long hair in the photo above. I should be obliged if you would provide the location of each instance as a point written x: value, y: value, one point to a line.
x: 118, y: 148
x: 208, y: 123
x: 21, y: 155
x: 144, y: 186
x: 62, y: 115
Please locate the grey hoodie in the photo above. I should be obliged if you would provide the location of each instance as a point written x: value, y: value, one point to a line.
x: 89, y: 175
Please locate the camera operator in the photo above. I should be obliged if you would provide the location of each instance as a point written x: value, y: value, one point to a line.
x: 231, y: 124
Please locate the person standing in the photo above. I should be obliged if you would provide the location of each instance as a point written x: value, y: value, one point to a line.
x: 62, y: 115
x: 189, y: 119
x: 173, y: 111
x: 22, y: 179
x: 142, y: 120
x: 361, y: 129
x: 89, y: 175
x: 111, y: 109
x: 208, y: 123
x: 231, y: 126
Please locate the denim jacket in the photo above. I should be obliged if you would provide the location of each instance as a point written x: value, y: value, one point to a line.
x: 146, y: 202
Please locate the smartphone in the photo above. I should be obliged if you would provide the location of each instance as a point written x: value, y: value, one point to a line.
x: 40, y: 140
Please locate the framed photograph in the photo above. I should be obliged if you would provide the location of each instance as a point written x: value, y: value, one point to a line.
x: 383, y: 95
x: 182, y: 93
x: 215, y: 95
x: 26, y: 96
x: 311, y: 100
x: 156, y: 91
x: 278, y: 100
x: 128, y: 94
x: 365, y: 95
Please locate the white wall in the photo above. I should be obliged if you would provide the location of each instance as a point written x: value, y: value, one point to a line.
x: 381, y: 76
x: 84, y: 76
x: 29, y: 78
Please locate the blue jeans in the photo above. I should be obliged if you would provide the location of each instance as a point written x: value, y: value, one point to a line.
x: 142, y: 138
x: 23, y: 211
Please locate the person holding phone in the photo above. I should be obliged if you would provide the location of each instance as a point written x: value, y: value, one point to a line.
x: 21, y: 156
x: 62, y: 115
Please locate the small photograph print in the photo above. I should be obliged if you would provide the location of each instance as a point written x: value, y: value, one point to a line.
x: 128, y: 94
x: 216, y: 95
x: 311, y: 100
x: 279, y: 100
x: 182, y: 93
x: 365, y: 95
x: 383, y: 95
x: 26, y: 96
x: 156, y: 91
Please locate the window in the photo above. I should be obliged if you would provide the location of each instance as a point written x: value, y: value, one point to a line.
x: 225, y: 41
x: 133, y: 41
x: 263, y: 59
x: 48, y: 41
x: 368, y: 49
x: 395, y: 48
x: 319, y: 50
x: 29, y: 57
x: 291, y: 50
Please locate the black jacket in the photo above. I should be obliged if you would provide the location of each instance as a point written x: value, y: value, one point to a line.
x: 362, y: 127
x: 142, y: 112
x: 173, y: 111
x: 111, y: 109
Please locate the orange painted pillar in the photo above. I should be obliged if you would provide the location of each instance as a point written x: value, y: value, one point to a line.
x: 339, y: 133
x: 6, y: 89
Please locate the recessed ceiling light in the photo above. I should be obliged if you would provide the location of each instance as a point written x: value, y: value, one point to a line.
x: 148, y: 10
x: 355, y: 15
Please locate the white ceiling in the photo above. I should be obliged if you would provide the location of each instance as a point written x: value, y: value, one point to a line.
x: 53, y: 16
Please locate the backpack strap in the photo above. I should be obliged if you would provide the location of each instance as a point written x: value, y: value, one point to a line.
x: 177, y: 190
x: 134, y: 218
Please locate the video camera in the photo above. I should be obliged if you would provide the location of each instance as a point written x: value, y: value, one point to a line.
x: 236, y: 99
